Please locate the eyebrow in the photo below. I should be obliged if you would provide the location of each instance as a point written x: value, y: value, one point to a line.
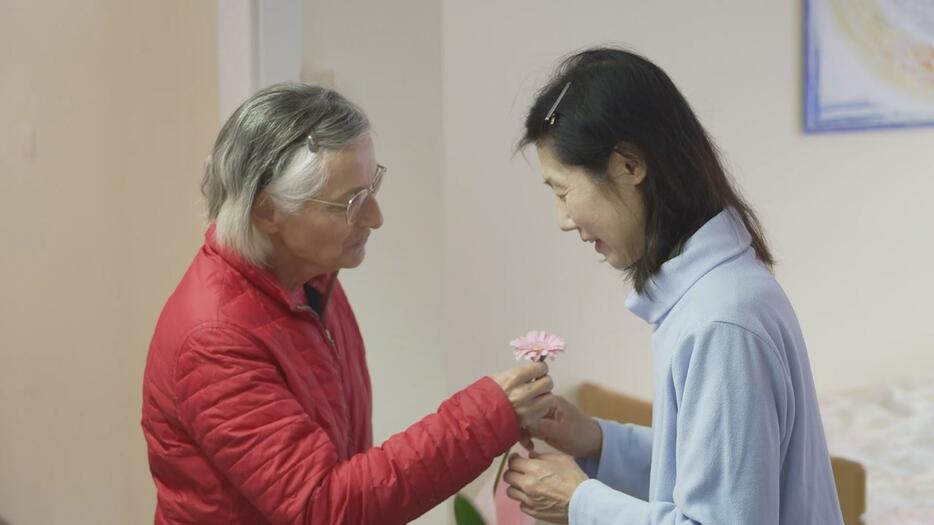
x: 351, y: 192
x: 342, y: 196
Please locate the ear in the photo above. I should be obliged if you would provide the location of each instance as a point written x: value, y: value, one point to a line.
x: 627, y: 165
x: 265, y: 216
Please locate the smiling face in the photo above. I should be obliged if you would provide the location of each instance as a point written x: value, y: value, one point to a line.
x: 317, y: 239
x: 608, y: 212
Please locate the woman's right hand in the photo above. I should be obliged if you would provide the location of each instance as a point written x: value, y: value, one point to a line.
x: 570, y: 430
x: 528, y: 388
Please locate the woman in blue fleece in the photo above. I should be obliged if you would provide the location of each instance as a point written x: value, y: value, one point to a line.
x: 736, y: 435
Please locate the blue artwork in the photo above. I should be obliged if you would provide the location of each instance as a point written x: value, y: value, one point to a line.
x: 868, y: 64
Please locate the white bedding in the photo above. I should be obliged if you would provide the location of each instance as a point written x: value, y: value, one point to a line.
x: 890, y: 430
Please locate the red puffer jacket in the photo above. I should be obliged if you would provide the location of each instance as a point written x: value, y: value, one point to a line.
x: 255, y: 410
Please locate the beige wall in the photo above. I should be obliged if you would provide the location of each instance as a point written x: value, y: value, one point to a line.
x: 109, y: 108
x: 848, y: 215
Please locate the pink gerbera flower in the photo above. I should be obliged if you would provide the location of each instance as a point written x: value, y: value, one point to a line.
x: 537, y: 345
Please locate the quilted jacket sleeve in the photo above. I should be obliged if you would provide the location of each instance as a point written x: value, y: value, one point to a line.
x: 238, y: 408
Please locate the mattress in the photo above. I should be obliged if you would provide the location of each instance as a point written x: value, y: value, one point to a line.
x: 890, y: 431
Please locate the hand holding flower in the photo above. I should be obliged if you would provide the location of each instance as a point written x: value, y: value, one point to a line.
x: 569, y: 430
x: 528, y: 388
x: 543, y: 484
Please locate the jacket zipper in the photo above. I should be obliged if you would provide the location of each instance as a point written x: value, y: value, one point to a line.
x: 324, y: 328
x: 335, y: 354
x: 327, y: 335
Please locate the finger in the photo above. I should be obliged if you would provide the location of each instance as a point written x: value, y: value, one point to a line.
x: 548, y: 426
x: 511, y: 462
x: 531, y: 371
x: 559, y: 409
x: 547, y: 456
x: 527, y: 509
x: 546, y: 429
x: 553, y: 410
x: 518, y: 495
x: 512, y: 478
x: 542, y: 386
x: 531, y: 414
x: 519, y: 464
x: 536, y: 388
x: 512, y: 458
x: 566, y: 409
x: 542, y: 405
x: 527, y: 444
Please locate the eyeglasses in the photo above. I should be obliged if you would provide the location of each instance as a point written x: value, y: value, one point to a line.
x: 358, y: 199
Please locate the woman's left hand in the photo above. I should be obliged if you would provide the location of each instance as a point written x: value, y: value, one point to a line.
x: 543, y: 484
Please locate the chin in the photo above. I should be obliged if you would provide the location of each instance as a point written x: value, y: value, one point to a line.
x: 619, y: 263
x: 354, y: 260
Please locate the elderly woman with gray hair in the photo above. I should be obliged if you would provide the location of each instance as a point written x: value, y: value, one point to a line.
x: 256, y: 395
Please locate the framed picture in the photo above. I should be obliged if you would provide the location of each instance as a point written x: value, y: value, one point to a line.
x: 869, y: 64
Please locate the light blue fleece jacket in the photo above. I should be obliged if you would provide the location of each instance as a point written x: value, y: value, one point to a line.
x: 736, y: 434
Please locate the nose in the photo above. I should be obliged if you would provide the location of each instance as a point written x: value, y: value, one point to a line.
x: 371, y: 216
x: 564, y: 220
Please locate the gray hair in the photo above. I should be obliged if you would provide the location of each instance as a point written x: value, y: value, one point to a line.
x: 264, y: 146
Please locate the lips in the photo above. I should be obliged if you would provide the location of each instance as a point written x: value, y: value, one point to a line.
x: 598, y: 244
x: 360, y: 242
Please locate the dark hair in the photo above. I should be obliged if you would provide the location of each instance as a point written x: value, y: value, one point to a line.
x: 617, y: 97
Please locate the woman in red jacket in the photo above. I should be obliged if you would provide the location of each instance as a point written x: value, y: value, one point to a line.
x: 256, y: 396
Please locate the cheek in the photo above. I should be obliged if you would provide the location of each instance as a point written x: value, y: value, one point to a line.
x: 586, y: 210
x: 630, y: 238
x: 311, y: 236
x: 632, y: 223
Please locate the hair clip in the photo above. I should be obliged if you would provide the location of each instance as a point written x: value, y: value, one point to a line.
x: 552, y: 116
x: 312, y: 143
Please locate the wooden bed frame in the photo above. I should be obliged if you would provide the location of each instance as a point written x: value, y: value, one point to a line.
x: 607, y: 404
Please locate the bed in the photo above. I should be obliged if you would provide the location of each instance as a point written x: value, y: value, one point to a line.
x: 849, y: 475
x: 890, y: 431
